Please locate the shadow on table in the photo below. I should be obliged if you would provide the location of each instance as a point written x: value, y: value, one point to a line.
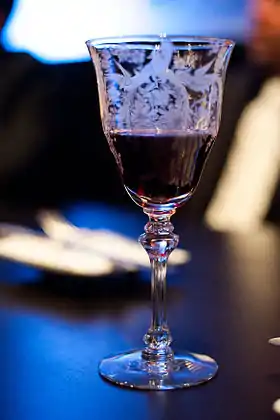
x: 74, y: 296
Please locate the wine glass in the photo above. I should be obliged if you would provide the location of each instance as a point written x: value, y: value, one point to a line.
x: 160, y: 103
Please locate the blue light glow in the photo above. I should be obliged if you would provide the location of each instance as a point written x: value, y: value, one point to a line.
x: 54, y: 31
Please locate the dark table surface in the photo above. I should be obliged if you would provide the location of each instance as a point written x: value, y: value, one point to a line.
x: 55, y: 328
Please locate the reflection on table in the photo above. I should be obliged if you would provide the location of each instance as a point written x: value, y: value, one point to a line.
x: 55, y: 328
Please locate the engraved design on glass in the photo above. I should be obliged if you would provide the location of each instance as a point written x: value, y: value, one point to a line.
x: 160, y: 104
x: 160, y: 88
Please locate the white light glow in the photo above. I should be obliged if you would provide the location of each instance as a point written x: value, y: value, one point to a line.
x: 68, y: 249
x: 250, y: 177
x: 276, y: 406
x: 27, y: 247
x: 119, y: 249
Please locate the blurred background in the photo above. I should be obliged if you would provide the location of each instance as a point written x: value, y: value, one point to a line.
x: 74, y: 283
x: 55, y: 31
x: 52, y: 149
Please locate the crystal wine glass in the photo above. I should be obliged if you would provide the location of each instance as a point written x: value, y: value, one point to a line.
x: 160, y: 103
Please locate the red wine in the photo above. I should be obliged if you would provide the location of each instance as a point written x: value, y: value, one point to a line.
x: 158, y: 168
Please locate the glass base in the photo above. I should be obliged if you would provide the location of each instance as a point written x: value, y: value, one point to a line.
x: 181, y: 371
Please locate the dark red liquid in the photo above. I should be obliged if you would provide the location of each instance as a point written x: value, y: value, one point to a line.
x: 161, y: 166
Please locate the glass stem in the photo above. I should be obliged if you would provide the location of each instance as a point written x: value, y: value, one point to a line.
x: 159, y: 241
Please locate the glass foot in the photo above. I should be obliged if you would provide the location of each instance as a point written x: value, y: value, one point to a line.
x: 182, y: 371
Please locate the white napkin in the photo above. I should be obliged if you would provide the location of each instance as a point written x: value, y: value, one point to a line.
x: 28, y: 247
x: 68, y: 249
x: 114, y: 246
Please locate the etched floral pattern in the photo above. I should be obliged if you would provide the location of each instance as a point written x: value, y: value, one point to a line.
x: 164, y: 88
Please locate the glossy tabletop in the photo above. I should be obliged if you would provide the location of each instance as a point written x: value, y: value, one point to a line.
x: 225, y: 302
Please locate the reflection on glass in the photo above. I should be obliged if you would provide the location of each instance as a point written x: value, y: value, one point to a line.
x: 160, y: 102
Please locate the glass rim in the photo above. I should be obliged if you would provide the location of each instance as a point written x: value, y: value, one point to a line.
x: 187, y: 39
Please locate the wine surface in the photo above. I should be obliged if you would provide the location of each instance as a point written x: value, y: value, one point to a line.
x: 160, y: 166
